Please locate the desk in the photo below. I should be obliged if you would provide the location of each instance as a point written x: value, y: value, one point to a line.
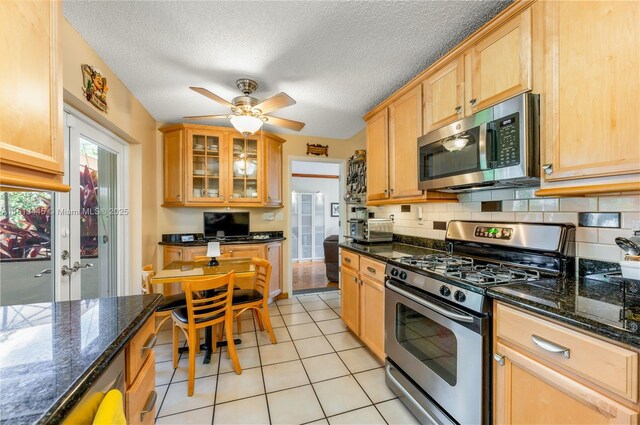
x: 178, y: 271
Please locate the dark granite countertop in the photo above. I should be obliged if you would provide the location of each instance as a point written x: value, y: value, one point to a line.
x: 387, y: 251
x: 51, y: 353
x: 224, y: 242
x: 599, y: 306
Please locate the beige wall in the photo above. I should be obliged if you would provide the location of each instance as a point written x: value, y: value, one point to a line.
x: 185, y: 220
x: 128, y: 119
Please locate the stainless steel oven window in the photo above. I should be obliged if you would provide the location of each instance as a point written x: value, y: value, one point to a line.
x: 431, y: 343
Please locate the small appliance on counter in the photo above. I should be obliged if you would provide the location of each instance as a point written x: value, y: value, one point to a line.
x: 371, y: 229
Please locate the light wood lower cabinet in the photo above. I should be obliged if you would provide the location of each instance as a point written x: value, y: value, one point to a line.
x: 362, y: 286
x: 140, y: 396
x: 271, y: 251
x: 546, y: 373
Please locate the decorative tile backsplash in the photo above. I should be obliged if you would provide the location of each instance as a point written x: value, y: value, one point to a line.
x: 523, y: 205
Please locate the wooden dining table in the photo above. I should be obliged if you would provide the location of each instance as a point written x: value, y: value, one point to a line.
x: 178, y: 271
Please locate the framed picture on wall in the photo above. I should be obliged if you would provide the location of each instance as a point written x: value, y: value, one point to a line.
x: 335, y: 209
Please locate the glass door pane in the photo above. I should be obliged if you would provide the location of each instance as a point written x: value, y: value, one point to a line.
x: 98, y: 220
x: 199, y: 166
x: 245, y: 169
x: 26, y: 246
x: 318, y: 226
x: 212, y: 155
x: 294, y: 226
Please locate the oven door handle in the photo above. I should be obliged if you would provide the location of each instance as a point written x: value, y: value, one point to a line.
x: 460, y: 317
x: 407, y: 395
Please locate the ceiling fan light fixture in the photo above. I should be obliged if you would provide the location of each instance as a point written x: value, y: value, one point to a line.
x: 246, y: 124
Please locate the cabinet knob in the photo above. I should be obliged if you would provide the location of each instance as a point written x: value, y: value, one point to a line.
x: 548, y: 169
x: 473, y: 101
x: 458, y: 109
x: 391, y: 191
x: 178, y: 196
x: 269, y: 197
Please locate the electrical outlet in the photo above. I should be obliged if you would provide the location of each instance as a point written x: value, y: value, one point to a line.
x: 279, y: 216
x: 268, y: 216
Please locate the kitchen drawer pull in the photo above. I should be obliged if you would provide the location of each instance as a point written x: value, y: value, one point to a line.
x: 552, y: 347
x: 371, y: 269
x: 149, y: 405
x: 347, y: 260
x: 149, y: 344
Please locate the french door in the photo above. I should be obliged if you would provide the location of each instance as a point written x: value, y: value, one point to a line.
x: 66, y: 246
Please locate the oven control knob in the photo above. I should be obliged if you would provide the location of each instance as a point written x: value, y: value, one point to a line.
x: 460, y: 296
x: 394, y: 272
x: 445, y: 291
x: 403, y: 275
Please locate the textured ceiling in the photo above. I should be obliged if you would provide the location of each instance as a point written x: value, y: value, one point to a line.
x: 337, y: 59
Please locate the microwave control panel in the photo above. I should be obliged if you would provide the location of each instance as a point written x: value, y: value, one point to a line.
x: 494, y: 232
x: 507, y: 138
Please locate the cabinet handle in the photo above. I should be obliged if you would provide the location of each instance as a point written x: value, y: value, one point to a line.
x: 149, y: 405
x: 391, y: 191
x: 458, y: 109
x: 499, y: 358
x: 371, y: 269
x: 548, y: 169
x: 386, y: 192
x: 180, y: 253
x: 149, y: 344
x: 347, y: 260
x: 269, y: 197
x: 473, y: 101
x: 178, y: 196
x: 550, y: 346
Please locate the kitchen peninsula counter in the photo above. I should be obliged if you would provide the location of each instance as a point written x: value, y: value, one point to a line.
x: 51, y: 353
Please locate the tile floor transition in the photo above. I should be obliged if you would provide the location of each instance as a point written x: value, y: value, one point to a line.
x: 317, y: 373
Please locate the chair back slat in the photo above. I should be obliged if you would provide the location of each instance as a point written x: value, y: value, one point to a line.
x: 263, y: 274
x: 215, y: 301
x: 147, y: 274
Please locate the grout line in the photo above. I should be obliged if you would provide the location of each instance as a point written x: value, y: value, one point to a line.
x: 184, y: 411
x: 264, y: 385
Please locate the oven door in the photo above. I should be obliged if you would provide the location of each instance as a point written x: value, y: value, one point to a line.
x: 439, y: 347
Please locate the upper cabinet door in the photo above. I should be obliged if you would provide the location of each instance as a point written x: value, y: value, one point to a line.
x: 590, y: 124
x: 405, y: 126
x: 272, y: 171
x: 245, y: 169
x: 499, y: 66
x: 173, y: 167
x: 206, y: 166
x: 444, y: 95
x: 31, y: 139
x: 377, y: 140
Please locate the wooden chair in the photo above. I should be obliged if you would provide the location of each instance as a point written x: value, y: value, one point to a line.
x: 212, y: 309
x: 168, y: 303
x: 256, y: 299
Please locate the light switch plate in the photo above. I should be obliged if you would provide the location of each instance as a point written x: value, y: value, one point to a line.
x: 268, y: 216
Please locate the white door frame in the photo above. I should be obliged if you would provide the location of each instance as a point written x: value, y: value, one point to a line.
x: 75, y: 122
x: 342, y: 163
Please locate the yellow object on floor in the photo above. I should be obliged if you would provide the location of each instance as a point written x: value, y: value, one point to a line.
x: 111, y: 411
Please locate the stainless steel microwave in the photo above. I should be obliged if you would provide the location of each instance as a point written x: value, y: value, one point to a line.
x: 493, y: 148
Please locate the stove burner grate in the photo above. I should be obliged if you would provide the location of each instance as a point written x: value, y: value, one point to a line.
x: 437, y: 262
x: 492, y: 274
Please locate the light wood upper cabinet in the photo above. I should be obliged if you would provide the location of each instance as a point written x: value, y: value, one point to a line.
x: 405, y: 126
x: 216, y: 166
x: 591, y: 65
x: 273, y: 170
x: 31, y: 138
x: 499, y: 65
x: 377, y: 132
x: 444, y: 95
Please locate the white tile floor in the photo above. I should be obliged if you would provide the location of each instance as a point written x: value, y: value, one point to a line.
x: 317, y: 373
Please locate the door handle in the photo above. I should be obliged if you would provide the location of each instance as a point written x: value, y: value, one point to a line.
x: 43, y: 272
x: 77, y: 266
x: 67, y: 271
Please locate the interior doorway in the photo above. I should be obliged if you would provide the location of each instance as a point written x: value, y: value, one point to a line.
x: 315, y: 225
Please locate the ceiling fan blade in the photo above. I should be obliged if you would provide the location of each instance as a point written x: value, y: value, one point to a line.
x: 278, y: 101
x: 282, y: 122
x: 205, y: 117
x: 212, y: 96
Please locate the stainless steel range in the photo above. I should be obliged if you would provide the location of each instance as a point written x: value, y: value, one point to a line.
x: 437, y: 317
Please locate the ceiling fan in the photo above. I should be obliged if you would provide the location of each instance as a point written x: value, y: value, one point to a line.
x: 248, y: 113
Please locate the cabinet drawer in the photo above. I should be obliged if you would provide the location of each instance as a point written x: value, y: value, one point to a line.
x: 139, y: 348
x: 141, y: 395
x: 350, y: 259
x: 371, y: 268
x: 606, y: 365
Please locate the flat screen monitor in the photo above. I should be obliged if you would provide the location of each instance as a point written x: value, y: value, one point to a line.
x: 222, y: 224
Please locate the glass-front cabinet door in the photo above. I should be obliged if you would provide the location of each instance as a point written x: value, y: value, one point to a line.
x: 205, y: 169
x: 246, y: 169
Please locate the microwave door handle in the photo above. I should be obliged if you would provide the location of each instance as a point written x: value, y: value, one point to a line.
x: 482, y: 146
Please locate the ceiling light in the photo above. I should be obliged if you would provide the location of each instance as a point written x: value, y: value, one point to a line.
x: 456, y: 144
x: 246, y: 124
